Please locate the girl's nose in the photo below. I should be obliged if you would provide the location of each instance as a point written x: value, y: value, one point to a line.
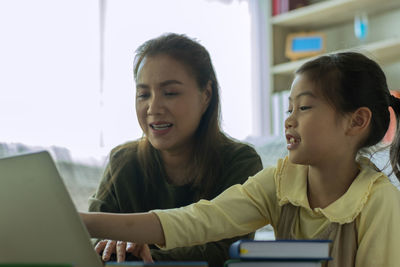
x: 289, y: 122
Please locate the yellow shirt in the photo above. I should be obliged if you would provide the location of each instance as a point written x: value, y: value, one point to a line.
x: 371, y: 201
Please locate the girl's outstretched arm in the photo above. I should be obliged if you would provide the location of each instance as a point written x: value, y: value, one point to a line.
x: 140, y: 228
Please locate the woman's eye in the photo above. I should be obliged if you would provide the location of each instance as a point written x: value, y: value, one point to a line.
x: 304, y: 107
x: 171, y: 93
x: 142, y: 95
x: 289, y: 111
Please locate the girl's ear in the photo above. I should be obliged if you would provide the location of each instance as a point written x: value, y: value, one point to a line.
x: 359, y: 121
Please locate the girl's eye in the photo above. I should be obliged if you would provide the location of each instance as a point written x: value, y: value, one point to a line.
x: 304, y: 107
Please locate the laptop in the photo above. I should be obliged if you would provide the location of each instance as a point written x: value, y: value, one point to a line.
x: 38, y: 220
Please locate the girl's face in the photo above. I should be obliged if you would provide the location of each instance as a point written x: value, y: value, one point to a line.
x: 169, y: 103
x: 315, y: 132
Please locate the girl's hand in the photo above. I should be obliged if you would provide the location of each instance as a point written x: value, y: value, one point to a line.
x: 120, y: 248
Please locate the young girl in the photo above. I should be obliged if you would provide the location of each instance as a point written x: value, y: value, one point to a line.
x: 324, y: 189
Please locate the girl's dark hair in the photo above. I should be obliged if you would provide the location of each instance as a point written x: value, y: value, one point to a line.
x: 208, y: 136
x: 350, y: 80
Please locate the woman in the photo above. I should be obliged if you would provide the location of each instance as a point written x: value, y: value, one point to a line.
x: 183, y: 155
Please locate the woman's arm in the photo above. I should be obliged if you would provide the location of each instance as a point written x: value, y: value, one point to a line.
x: 141, y: 228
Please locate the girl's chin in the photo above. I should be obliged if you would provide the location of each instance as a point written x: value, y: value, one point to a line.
x: 295, y: 159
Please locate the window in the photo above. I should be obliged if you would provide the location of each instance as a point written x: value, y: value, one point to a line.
x: 51, y: 58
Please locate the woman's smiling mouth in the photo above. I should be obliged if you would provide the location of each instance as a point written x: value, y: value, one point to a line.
x: 160, y: 126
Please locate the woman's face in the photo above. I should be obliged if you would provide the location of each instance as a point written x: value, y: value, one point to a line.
x: 169, y: 103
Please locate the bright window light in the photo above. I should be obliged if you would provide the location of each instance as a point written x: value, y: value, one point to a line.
x: 50, y: 65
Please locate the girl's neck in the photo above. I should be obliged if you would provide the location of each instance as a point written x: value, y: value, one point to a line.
x: 328, y: 183
x: 177, y: 165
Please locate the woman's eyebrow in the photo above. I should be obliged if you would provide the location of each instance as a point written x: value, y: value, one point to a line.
x: 142, y: 86
x: 168, y: 82
x: 161, y: 84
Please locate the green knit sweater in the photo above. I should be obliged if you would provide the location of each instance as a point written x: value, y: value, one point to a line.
x: 129, y: 193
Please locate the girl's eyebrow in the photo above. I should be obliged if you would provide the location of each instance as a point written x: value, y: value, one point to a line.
x: 162, y: 84
x: 306, y: 93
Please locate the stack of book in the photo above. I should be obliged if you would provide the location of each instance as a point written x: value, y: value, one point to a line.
x: 278, y: 253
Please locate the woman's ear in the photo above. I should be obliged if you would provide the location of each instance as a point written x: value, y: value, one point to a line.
x: 207, y: 94
x: 359, y: 121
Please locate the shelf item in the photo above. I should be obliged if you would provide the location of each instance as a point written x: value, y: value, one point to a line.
x: 304, y: 45
x: 283, y: 6
x: 384, y: 52
x: 331, y: 12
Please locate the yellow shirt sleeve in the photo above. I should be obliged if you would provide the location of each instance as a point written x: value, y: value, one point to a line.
x: 239, y: 210
x: 378, y: 227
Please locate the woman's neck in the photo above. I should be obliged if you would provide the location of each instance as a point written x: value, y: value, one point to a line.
x: 177, y: 165
x: 328, y: 183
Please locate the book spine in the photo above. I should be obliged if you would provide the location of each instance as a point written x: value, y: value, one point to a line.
x: 275, y: 7
x: 294, y: 4
x: 234, y: 250
x: 284, y: 7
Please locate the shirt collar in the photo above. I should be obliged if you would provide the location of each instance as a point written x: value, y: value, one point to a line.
x: 291, y: 181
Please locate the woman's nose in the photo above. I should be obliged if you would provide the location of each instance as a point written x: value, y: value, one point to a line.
x: 155, y: 105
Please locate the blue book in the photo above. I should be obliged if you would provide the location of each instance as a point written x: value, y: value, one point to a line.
x: 299, y: 250
x: 261, y: 263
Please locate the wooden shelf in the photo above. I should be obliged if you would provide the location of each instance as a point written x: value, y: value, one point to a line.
x: 330, y: 12
x: 385, y: 52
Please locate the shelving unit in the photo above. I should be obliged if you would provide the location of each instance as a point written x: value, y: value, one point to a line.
x: 335, y: 18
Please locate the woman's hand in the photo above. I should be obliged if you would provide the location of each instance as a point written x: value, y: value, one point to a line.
x: 120, y: 248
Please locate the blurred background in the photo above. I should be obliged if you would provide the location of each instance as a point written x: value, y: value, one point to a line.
x: 66, y: 67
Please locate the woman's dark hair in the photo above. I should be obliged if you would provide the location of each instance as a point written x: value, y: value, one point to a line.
x: 208, y: 136
x: 350, y: 80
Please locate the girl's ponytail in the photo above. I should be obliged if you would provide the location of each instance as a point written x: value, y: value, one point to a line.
x: 395, y: 147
